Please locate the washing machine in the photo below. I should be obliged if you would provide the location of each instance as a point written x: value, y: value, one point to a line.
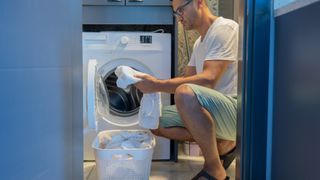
x: 108, y: 107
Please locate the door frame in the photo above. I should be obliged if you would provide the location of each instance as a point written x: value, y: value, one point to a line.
x: 252, y: 127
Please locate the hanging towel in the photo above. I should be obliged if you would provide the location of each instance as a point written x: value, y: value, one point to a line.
x: 150, y: 110
x: 150, y: 105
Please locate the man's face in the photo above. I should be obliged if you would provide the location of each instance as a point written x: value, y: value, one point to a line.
x: 183, y: 10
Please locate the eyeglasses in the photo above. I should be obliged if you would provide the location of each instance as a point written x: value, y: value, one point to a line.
x: 179, y: 11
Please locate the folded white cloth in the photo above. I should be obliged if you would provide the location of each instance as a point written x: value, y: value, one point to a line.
x: 150, y: 105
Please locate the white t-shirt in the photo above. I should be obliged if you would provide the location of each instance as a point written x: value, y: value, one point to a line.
x: 219, y: 43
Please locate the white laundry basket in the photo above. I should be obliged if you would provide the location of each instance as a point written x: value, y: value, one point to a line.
x: 123, y: 164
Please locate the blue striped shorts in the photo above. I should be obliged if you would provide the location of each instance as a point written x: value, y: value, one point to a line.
x: 222, y: 108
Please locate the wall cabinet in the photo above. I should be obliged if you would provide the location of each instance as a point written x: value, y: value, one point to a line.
x: 128, y: 2
x: 104, y: 2
x: 149, y: 2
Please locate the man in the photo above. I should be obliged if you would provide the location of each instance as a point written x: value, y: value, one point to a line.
x: 205, y: 98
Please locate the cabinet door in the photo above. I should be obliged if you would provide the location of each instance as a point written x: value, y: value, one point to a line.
x: 103, y: 2
x: 149, y: 2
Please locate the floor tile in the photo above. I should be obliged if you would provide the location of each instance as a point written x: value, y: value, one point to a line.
x: 184, y: 169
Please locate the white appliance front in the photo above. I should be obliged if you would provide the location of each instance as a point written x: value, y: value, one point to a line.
x: 109, y: 107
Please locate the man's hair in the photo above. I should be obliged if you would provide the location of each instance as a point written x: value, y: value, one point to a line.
x: 205, y: 2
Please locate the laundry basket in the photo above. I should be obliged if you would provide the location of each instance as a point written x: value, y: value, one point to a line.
x: 116, y: 163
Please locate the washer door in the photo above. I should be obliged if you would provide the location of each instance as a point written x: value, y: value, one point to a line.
x: 122, y: 104
x: 92, y: 100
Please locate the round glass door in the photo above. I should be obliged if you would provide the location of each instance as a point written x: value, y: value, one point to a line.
x: 117, y: 106
x: 122, y: 102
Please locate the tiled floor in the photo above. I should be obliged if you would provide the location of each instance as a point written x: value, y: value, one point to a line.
x: 184, y: 169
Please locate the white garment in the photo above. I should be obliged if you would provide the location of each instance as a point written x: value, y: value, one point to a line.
x: 150, y: 105
x: 126, y: 77
x: 125, y: 140
x: 219, y: 43
x: 150, y: 111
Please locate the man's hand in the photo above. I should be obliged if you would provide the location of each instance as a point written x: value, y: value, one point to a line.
x: 148, y: 83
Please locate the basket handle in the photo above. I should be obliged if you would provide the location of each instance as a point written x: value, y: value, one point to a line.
x: 126, y: 156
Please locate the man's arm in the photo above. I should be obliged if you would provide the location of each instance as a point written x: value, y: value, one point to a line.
x: 189, y: 71
x: 212, y: 72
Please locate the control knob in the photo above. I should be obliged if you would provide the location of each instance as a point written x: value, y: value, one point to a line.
x: 124, y: 40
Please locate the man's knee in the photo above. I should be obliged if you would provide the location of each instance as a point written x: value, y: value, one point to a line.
x: 156, y: 132
x: 184, y: 95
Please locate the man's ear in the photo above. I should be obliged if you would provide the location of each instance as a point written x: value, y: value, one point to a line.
x: 201, y: 3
